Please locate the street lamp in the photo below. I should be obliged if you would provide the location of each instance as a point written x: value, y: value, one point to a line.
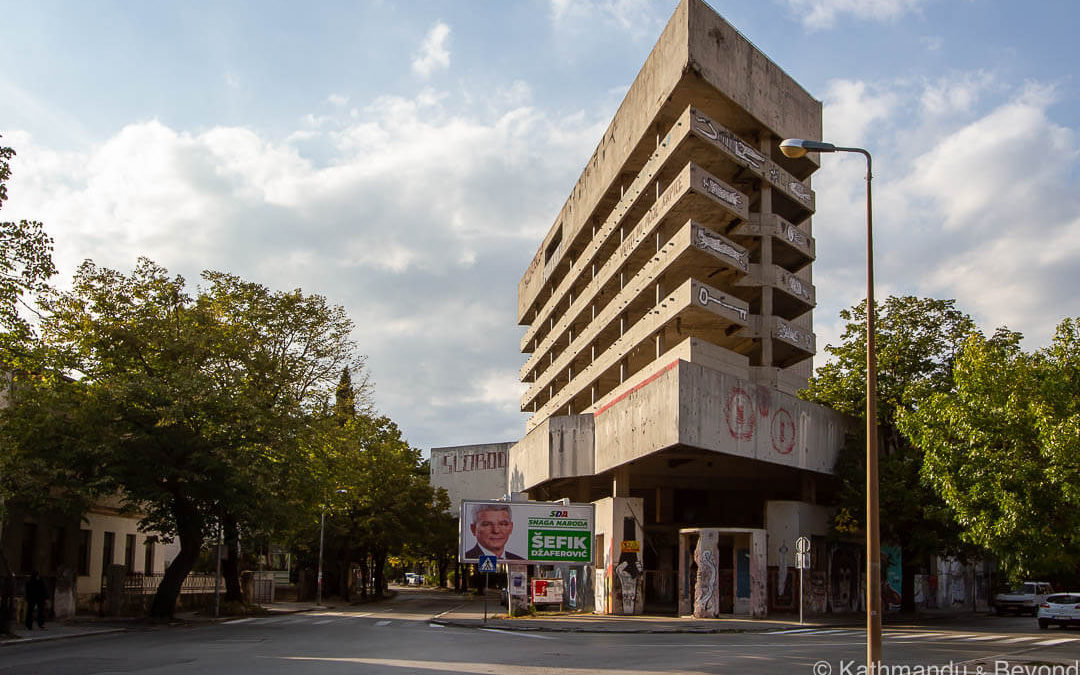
x: 797, y: 147
x: 322, y: 531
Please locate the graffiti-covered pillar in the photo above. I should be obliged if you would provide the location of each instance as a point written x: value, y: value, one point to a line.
x: 759, y: 574
x: 620, y: 583
x: 706, y: 583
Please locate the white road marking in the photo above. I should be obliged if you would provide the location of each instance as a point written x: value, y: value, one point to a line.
x: 1024, y: 638
x: 1057, y: 641
x: 250, y: 618
x: 518, y: 633
x: 791, y: 630
x: 323, y: 622
x: 984, y: 638
x: 382, y: 623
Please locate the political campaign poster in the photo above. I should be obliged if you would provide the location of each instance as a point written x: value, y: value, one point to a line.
x: 526, y: 532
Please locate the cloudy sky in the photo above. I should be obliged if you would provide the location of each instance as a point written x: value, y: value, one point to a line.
x: 405, y: 158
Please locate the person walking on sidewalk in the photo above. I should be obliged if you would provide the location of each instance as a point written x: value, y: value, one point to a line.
x: 35, y: 598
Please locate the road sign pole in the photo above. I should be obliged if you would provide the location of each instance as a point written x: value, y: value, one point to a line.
x: 486, y: 577
x: 802, y: 561
x: 800, y: 595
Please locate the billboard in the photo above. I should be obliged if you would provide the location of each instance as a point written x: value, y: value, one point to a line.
x: 526, y: 532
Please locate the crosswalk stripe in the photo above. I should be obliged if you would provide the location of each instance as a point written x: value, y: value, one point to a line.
x: 1057, y: 641
x: 912, y: 636
x: 1014, y: 640
x: 983, y: 638
x: 791, y: 630
x: 250, y: 618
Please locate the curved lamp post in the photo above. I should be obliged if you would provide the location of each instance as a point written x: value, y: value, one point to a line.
x: 322, y: 531
x: 797, y: 147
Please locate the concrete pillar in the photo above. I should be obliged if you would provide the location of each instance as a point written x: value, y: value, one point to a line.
x: 706, y: 587
x: 620, y: 483
x: 759, y: 575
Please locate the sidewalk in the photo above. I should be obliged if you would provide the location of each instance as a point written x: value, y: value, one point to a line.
x: 470, y: 614
x: 89, y: 625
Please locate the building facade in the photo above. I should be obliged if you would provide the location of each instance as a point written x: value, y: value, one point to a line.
x: 669, y: 325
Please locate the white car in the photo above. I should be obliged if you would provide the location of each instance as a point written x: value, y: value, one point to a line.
x: 1024, y: 599
x: 1060, y: 608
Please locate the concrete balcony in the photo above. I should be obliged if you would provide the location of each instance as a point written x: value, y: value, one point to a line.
x: 693, y: 309
x: 792, y: 248
x: 790, y: 343
x: 692, y: 191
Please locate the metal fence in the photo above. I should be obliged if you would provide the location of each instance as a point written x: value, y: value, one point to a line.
x: 147, y: 584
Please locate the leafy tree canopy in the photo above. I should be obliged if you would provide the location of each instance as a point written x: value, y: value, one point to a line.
x: 916, y: 341
x: 1003, y: 449
x: 197, y: 407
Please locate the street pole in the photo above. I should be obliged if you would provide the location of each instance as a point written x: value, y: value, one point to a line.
x: 217, y: 577
x: 797, y: 147
x: 873, y: 525
x: 318, y: 578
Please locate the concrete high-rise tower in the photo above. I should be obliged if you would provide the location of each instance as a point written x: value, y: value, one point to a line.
x: 669, y: 326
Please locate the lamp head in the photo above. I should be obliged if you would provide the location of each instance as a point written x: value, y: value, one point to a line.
x: 797, y: 147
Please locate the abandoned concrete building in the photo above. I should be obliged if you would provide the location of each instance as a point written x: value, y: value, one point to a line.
x: 669, y: 315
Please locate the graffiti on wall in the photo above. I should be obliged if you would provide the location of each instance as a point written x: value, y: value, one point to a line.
x: 704, y: 297
x: 707, y: 240
x: 741, y: 413
x: 816, y: 598
x: 742, y: 410
x: 844, y: 574
x: 729, y: 140
x: 705, y: 600
x: 630, y: 577
x: 891, y: 562
x: 718, y: 190
x: 783, y: 432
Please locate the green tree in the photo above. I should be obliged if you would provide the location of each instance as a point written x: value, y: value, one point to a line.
x: 25, y: 268
x: 917, y: 340
x: 389, y: 500
x: 196, y: 408
x: 1003, y: 449
x: 25, y: 259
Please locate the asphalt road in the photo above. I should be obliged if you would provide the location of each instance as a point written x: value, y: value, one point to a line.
x: 397, y: 638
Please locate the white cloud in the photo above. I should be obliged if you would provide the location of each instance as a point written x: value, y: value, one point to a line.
x: 634, y: 17
x: 974, y: 199
x: 949, y: 95
x: 339, y: 100
x: 818, y: 14
x: 420, y: 223
x: 433, y: 54
x: 851, y: 108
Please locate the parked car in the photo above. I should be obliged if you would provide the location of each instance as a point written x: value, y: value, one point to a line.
x: 1025, y: 598
x: 1060, y: 608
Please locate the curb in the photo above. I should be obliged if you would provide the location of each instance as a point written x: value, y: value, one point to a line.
x: 614, y: 629
x: 7, y: 642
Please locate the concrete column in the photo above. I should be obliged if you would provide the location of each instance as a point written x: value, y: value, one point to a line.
x: 759, y: 571
x: 620, y: 483
x: 706, y: 587
x: 765, y: 206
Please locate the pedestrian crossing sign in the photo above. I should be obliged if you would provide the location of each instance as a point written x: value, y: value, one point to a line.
x: 487, y: 563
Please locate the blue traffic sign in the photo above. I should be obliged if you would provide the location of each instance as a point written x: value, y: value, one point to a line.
x: 487, y: 563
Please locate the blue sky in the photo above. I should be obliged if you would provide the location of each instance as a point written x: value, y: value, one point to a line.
x: 406, y: 158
